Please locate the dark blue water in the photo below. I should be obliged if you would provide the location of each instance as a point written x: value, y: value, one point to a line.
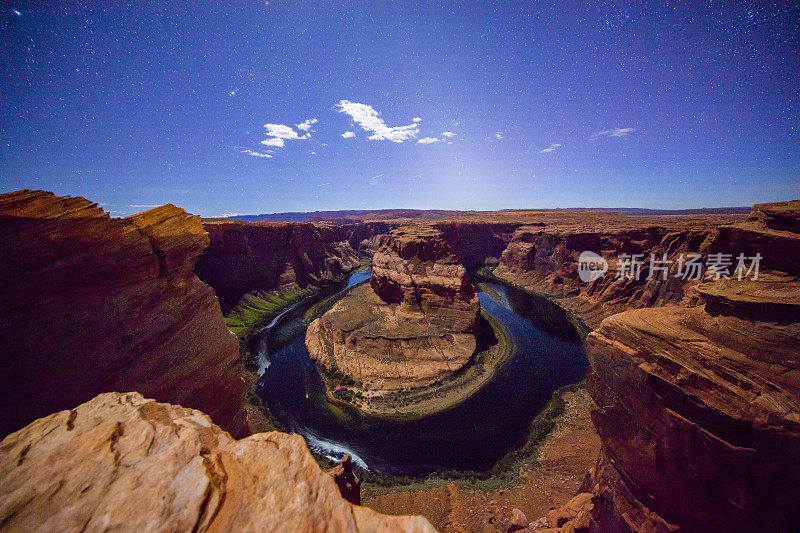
x: 546, y: 354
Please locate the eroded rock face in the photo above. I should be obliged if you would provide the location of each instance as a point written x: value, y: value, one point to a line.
x: 544, y: 258
x: 547, y: 260
x: 698, y: 406
x: 249, y: 256
x: 121, y: 462
x: 94, y: 304
x: 414, y: 324
x: 416, y: 269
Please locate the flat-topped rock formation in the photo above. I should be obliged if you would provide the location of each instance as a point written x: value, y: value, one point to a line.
x: 414, y: 324
x: 244, y: 257
x: 92, y: 304
x: 124, y: 463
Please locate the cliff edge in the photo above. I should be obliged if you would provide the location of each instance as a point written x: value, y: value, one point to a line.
x: 94, y: 304
x: 121, y: 462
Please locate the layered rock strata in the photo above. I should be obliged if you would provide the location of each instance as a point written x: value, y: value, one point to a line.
x: 93, y: 304
x: 122, y: 462
x: 244, y: 257
x: 414, y: 324
x: 698, y: 405
x: 545, y: 258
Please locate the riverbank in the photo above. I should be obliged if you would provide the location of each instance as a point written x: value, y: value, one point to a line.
x: 545, y: 473
x: 246, y: 320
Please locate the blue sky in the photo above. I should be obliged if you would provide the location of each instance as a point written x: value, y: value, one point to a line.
x: 646, y: 104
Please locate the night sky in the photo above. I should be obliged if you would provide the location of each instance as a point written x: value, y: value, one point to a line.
x: 226, y: 108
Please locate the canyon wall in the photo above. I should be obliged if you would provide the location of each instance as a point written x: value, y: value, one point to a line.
x: 121, y: 462
x: 366, y: 236
x: 476, y: 242
x: 248, y: 256
x: 93, y: 304
x: 698, y: 404
x: 544, y: 258
x: 473, y: 242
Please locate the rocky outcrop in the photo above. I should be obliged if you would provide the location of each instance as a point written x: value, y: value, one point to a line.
x: 94, y: 304
x: 415, y: 323
x: 345, y: 478
x: 416, y: 269
x: 473, y: 242
x: 121, y: 462
x: 698, y: 406
x: 243, y: 257
x: 784, y: 216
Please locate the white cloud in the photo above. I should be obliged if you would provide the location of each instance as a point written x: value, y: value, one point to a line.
x: 227, y: 215
x: 552, y: 148
x: 374, y: 179
x: 278, y: 134
x: 324, y: 184
x: 429, y: 140
x: 282, y: 131
x: 306, y: 125
x: 616, y: 132
x: 416, y: 119
x: 348, y: 135
x: 143, y: 206
x: 370, y: 120
x: 448, y: 134
x: 256, y: 154
x: 274, y: 141
x: 498, y: 135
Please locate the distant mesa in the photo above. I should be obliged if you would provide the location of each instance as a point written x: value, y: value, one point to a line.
x: 360, y: 215
x: 414, y: 324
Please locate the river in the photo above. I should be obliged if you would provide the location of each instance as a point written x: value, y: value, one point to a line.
x: 546, y: 354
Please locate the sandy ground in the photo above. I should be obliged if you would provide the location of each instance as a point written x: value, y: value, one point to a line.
x: 564, y: 458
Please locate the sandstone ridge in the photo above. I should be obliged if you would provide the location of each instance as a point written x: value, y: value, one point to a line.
x: 124, y: 463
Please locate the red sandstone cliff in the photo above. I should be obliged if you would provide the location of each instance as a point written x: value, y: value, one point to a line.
x: 698, y: 404
x: 93, y: 304
x: 544, y: 258
x: 248, y: 256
